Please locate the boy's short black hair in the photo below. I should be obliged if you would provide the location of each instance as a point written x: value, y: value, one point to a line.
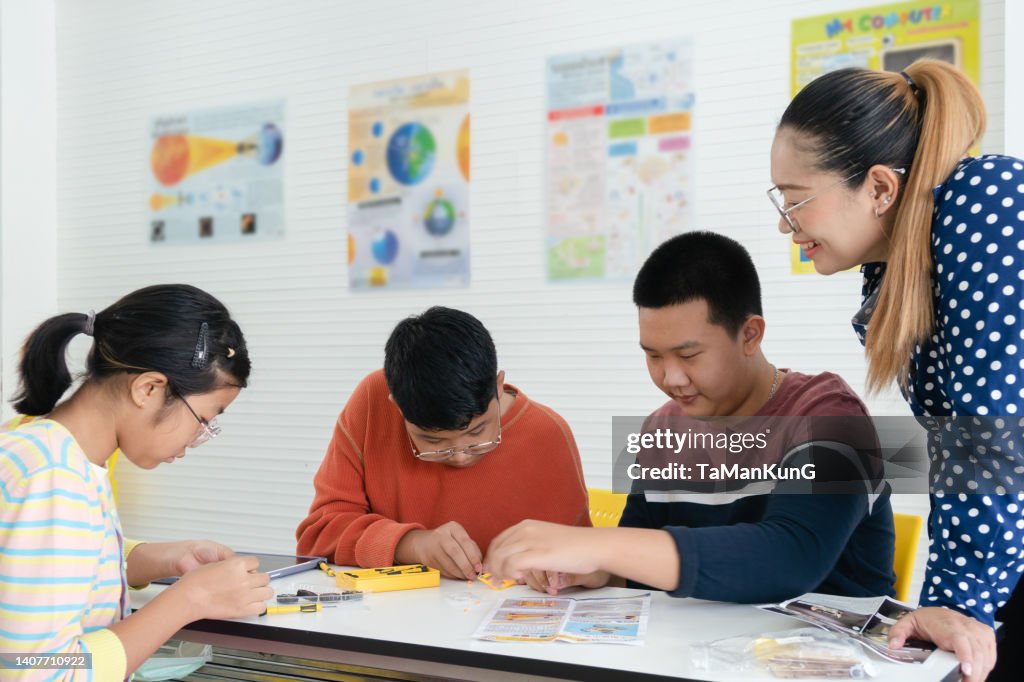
x: 441, y: 368
x: 701, y: 266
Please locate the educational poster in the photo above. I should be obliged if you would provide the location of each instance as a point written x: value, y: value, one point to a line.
x: 216, y: 175
x: 619, y: 157
x: 408, y: 183
x: 888, y: 37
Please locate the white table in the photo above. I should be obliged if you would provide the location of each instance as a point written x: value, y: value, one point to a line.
x: 429, y: 632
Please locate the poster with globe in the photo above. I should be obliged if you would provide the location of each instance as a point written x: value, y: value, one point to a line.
x: 619, y: 157
x: 408, y: 183
x: 216, y: 175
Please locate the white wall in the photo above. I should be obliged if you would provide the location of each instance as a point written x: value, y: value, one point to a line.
x: 1014, y: 67
x: 573, y: 347
x: 28, y: 169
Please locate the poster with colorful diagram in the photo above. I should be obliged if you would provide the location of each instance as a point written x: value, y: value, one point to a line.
x: 619, y: 157
x: 217, y: 175
x: 886, y: 37
x: 408, y: 183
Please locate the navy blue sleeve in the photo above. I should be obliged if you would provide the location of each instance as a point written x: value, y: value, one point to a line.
x: 975, y: 556
x: 637, y: 513
x: 786, y: 554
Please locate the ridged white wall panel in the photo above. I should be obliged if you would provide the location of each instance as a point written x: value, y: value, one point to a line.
x: 574, y: 347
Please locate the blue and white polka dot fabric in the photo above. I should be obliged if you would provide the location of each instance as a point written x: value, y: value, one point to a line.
x: 972, y: 369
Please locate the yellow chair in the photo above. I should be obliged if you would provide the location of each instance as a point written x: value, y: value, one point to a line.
x: 605, y: 507
x: 111, y: 464
x: 908, y: 534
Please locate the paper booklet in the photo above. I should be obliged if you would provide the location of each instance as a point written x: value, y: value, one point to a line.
x: 605, y: 620
x: 867, y: 619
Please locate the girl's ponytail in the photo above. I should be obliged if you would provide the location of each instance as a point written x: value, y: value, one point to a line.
x: 44, y: 364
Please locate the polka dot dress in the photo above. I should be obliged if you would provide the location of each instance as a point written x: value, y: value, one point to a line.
x: 972, y: 369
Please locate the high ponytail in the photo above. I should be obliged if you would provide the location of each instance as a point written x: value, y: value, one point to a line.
x: 44, y: 364
x: 923, y: 120
x: 952, y: 120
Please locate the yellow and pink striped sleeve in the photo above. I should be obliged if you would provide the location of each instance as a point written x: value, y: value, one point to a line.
x: 59, y: 546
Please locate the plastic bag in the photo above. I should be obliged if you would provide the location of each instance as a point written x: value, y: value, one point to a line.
x: 186, y: 658
x: 804, y: 652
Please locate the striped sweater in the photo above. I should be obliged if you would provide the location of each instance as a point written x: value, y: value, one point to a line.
x: 62, y: 566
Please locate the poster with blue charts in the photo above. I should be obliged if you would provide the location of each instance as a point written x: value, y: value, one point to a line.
x: 408, y: 183
x: 216, y: 175
x: 619, y: 157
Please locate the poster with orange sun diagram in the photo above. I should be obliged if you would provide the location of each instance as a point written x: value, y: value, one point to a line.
x: 217, y: 175
x: 408, y: 183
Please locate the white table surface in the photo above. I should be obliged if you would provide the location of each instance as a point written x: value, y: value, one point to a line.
x: 436, y: 624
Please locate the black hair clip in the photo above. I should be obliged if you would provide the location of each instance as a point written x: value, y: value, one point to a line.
x: 200, y: 357
x: 913, y: 86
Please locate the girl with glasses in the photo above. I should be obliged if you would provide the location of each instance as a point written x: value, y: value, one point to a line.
x: 64, y: 565
x: 939, y: 237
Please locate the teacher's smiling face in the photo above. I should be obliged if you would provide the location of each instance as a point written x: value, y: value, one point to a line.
x: 833, y: 213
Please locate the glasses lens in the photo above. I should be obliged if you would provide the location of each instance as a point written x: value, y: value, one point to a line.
x: 207, y: 431
x: 436, y: 455
x: 482, y: 448
x: 202, y: 437
x: 287, y: 598
x: 779, y: 201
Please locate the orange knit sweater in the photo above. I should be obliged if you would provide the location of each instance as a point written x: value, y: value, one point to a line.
x: 371, y: 490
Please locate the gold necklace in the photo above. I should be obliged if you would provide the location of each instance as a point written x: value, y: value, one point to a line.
x: 775, y: 383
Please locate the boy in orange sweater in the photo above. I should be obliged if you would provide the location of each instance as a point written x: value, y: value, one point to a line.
x: 435, y: 455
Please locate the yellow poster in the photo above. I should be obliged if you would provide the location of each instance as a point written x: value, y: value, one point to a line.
x: 885, y: 37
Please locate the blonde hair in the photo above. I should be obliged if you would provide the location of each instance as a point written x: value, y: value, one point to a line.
x: 952, y: 120
x: 925, y: 118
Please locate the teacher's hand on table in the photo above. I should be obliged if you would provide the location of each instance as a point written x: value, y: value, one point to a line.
x: 973, y: 642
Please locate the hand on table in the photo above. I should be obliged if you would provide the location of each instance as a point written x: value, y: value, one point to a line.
x: 447, y: 548
x: 552, y: 582
x: 973, y: 642
x: 231, y: 588
x: 149, y: 561
x: 541, y: 546
x: 189, y: 555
